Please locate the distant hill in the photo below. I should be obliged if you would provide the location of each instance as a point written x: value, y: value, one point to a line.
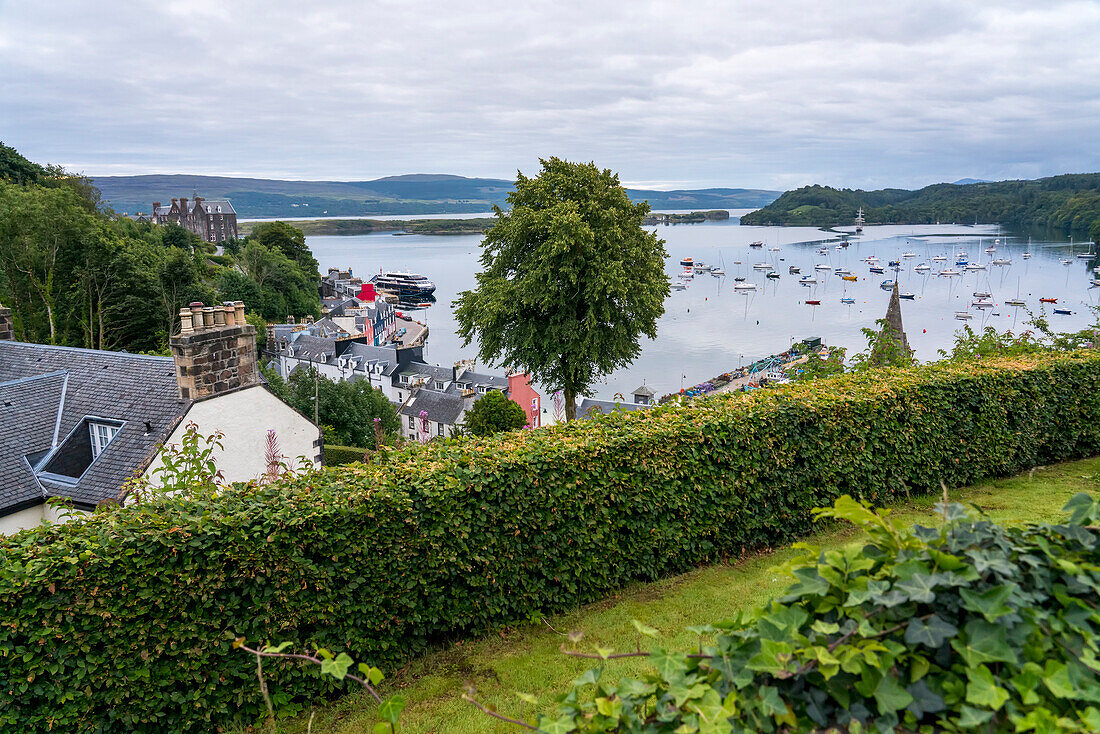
x: 410, y: 194
x: 1069, y: 204
x: 965, y: 181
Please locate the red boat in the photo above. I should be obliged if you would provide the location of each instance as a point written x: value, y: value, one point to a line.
x: 813, y: 303
x: 1048, y: 300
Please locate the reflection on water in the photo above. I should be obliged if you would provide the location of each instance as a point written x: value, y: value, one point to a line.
x: 710, y: 328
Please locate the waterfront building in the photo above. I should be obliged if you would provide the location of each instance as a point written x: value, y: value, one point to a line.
x: 214, y: 220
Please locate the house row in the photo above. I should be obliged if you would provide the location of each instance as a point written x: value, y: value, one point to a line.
x: 77, y: 424
x: 442, y: 394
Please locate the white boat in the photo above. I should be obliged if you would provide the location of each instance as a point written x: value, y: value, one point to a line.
x: 982, y: 304
x: 949, y: 272
x: 679, y: 287
x: 1066, y: 261
x: 1095, y: 282
x: 963, y: 315
x: 1015, y: 302
x: 700, y: 267
x: 974, y: 266
x: 908, y: 254
x: 848, y: 301
x: 939, y: 258
x: 775, y: 249
x: 773, y: 275
x: 1026, y: 256
x: 887, y: 285
x: 745, y: 287
x: 859, y: 220
x: 763, y: 266
x: 907, y: 296
x: 1001, y: 261
x: 807, y: 279
x: 403, y: 284
x: 717, y: 271
x: 823, y: 266
x: 923, y: 268
x: 794, y: 270
x: 842, y: 271
x: 685, y: 276
x: 871, y: 259
x: 982, y: 294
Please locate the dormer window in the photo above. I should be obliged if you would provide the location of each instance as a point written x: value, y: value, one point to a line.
x: 101, y: 435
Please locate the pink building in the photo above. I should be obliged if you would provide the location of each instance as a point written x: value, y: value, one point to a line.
x: 521, y: 392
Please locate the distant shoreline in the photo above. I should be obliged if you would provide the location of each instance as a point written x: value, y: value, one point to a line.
x: 335, y: 226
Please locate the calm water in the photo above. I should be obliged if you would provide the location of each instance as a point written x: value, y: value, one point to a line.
x: 710, y: 328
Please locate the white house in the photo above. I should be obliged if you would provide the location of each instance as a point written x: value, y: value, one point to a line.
x: 76, y: 424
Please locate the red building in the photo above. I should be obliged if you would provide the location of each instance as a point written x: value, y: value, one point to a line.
x: 521, y: 392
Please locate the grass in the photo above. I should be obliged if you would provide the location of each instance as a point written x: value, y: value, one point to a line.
x: 529, y: 660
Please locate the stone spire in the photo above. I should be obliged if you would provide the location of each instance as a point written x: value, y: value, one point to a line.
x: 892, y: 330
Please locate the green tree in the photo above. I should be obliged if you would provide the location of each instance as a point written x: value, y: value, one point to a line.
x: 570, y: 280
x: 288, y: 240
x: 493, y: 413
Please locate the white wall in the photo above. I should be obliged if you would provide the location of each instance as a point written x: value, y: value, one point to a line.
x: 17, y: 521
x: 34, y: 516
x: 244, y: 417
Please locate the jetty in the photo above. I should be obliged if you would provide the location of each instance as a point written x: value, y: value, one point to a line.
x: 756, y: 375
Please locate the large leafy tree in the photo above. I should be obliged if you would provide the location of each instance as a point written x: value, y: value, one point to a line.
x: 571, y: 282
x: 288, y: 240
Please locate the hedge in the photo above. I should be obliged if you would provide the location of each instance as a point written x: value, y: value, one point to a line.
x: 339, y: 455
x: 125, y: 621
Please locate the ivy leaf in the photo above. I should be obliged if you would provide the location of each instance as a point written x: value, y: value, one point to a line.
x: 773, y: 704
x: 391, y: 708
x: 645, y: 629
x: 984, y: 642
x: 982, y: 689
x: 989, y: 603
x: 631, y: 688
x: 562, y: 725
x: 589, y: 676
x: 337, y: 667
x: 919, y: 588
x: 972, y: 718
x: 890, y: 696
x: 670, y: 666
x: 278, y: 648
x: 373, y: 675
x: 931, y: 632
x: 1081, y: 506
x: 382, y: 728
x: 1056, y: 678
x: 925, y: 700
x: 527, y: 697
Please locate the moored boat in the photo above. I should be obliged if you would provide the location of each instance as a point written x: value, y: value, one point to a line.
x: 793, y: 270
x: 687, y: 262
x: 763, y: 266
x: 923, y: 268
x: 963, y: 315
x: 813, y: 303
x: 949, y: 272
x: 982, y: 304
x: 907, y: 296
x: 1015, y: 302
x: 773, y: 275
x: 850, y: 278
x: 758, y: 244
x: 849, y: 301
x: 745, y: 287
x: 877, y: 269
x: 403, y: 283
x: 982, y: 294
x: 1063, y: 311
x: 1048, y: 300
x: 887, y: 284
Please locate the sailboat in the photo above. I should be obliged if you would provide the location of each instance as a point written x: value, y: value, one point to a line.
x: 1027, y: 255
x: 1017, y: 301
x: 859, y: 220
x: 1087, y: 255
x: 721, y: 269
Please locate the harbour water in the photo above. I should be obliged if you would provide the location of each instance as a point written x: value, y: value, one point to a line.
x: 710, y: 328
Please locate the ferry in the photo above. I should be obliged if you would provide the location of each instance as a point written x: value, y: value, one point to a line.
x: 403, y: 284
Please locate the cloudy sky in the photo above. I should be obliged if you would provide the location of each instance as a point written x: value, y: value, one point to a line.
x: 681, y: 93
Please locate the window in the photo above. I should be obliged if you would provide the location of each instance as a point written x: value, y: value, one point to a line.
x: 101, y: 434
x: 440, y: 429
x: 438, y: 385
x: 412, y: 422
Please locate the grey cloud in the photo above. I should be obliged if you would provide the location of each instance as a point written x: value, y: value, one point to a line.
x: 689, y: 93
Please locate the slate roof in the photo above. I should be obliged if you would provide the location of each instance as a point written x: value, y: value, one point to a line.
x: 644, y: 390
x: 211, y: 206
x: 605, y: 406
x: 387, y: 356
x: 311, y: 347
x: 130, y: 388
x: 441, y: 407
x: 28, y: 416
x: 478, y: 378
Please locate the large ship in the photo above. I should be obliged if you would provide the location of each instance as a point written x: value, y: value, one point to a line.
x: 859, y: 220
x: 404, y: 284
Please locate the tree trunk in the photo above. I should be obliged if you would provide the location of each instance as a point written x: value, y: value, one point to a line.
x: 570, y: 404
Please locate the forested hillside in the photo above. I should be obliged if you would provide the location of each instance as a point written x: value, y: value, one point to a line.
x: 412, y: 194
x: 74, y: 274
x: 1067, y: 205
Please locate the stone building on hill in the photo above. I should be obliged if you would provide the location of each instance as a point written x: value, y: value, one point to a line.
x: 214, y: 220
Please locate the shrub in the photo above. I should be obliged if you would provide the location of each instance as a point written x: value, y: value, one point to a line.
x: 125, y: 621
x: 493, y: 413
x: 968, y: 626
x: 339, y: 455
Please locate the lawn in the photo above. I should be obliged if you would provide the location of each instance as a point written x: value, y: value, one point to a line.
x: 528, y: 659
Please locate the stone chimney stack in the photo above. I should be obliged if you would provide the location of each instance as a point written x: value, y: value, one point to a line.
x: 215, y: 351
x: 7, y: 324
x: 183, y: 204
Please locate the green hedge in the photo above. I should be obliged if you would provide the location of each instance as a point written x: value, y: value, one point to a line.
x: 124, y: 622
x: 338, y: 455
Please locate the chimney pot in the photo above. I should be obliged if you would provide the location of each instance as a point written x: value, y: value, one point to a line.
x: 238, y: 310
x: 186, y: 326
x: 208, y: 316
x: 219, y: 315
